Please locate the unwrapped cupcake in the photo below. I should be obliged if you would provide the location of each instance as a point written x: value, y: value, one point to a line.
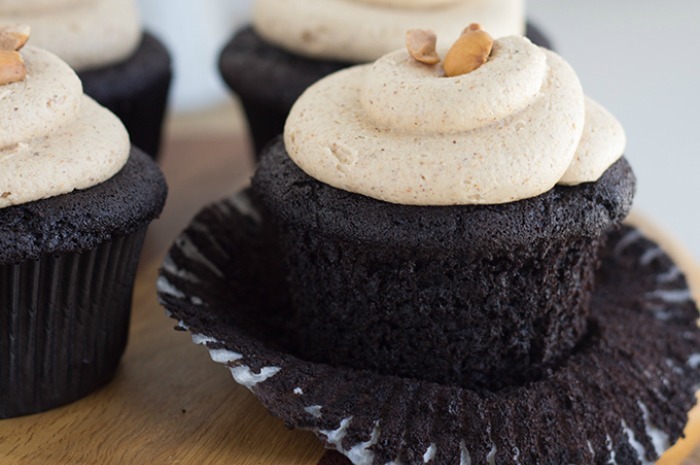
x: 294, y: 43
x: 442, y: 215
x: 123, y: 68
x: 75, y: 201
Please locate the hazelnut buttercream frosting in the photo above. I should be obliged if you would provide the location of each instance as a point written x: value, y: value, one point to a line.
x: 53, y: 138
x: 399, y: 130
x: 86, y: 34
x: 361, y: 31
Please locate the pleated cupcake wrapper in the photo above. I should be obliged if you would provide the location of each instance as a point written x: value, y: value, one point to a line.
x: 622, y: 396
x: 63, y: 324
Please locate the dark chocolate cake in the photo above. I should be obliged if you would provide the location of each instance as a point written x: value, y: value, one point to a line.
x: 136, y: 90
x: 268, y: 80
x: 476, y: 296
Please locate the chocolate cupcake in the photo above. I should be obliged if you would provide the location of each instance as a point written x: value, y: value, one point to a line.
x: 75, y: 201
x: 291, y: 45
x: 121, y: 67
x: 444, y: 234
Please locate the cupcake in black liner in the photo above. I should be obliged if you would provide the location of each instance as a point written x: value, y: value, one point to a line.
x: 123, y: 68
x: 291, y: 45
x: 415, y: 275
x: 75, y: 202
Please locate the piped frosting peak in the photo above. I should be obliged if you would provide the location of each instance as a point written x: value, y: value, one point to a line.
x: 401, y: 131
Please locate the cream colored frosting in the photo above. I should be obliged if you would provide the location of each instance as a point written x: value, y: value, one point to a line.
x: 399, y: 131
x: 53, y: 138
x: 363, y: 30
x: 86, y: 34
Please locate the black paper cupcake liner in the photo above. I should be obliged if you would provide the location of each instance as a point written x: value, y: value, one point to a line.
x: 136, y: 90
x: 64, y: 322
x: 621, y: 397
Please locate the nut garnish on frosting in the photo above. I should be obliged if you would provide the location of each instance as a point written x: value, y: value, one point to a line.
x: 421, y: 44
x: 401, y: 131
x: 14, y: 37
x: 53, y: 138
x: 470, y: 51
x: 12, y: 67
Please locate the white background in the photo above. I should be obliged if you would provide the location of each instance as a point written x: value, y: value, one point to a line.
x: 639, y: 58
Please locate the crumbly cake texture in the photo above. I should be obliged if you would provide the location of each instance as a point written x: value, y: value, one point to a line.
x: 268, y: 80
x: 493, y: 328
x: 136, y: 90
x: 83, y: 219
x: 621, y: 397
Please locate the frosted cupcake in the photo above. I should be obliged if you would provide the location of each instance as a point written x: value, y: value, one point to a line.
x: 75, y: 201
x: 124, y: 69
x: 293, y: 44
x: 442, y: 236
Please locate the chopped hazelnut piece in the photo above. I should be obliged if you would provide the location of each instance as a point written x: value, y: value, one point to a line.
x: 13, y: 37
x: 12, y: 67
x: 421, y: 46
x: 470, y: 51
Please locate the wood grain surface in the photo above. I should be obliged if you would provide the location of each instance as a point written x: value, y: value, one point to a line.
x: 169, y: 404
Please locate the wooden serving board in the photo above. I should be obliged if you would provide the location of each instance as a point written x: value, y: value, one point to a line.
x: 169, y: 404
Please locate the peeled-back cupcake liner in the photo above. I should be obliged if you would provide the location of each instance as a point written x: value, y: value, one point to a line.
x: 65, y: 320
x: 136, y: 90
x: 621, y: 397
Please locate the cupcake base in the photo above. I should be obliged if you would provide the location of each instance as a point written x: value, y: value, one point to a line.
x: 623, y: 394
x: 495, y: 294
x: 65, y: 324
x: 268, y: 80
x: 136, y: 90
x: 67, y: 268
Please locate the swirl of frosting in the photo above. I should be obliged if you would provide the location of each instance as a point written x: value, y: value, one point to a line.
x: 54, y: 139
x: 361, y: 31
x: 398, y: 131
x: 397, y: 99
x: 86, y: 34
